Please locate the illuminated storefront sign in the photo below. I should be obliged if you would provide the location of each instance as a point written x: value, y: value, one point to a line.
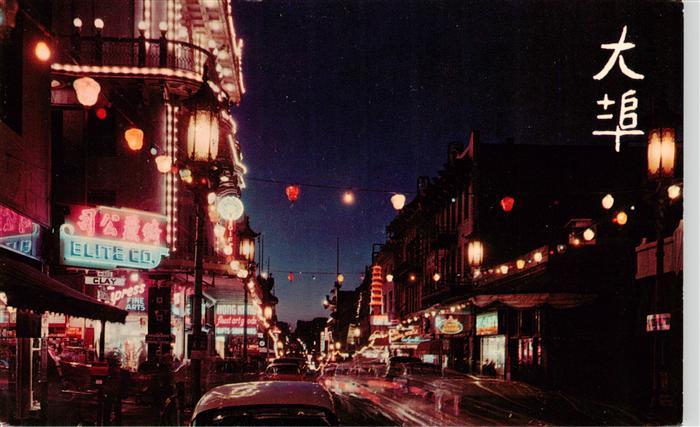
x: 487, y: 323
x: 132, y: 298
x: 18, y: 233
x: 449, y: 325
x: 230, y: 319
x: 659, y: 322
x: 104, y: 237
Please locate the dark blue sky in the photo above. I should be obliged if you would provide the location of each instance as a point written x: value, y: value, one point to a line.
x: 369, y: 94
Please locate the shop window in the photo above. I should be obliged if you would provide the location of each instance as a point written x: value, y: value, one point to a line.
x: 525, y: 351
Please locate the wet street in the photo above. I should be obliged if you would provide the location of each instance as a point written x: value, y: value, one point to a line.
x: 462, y: 400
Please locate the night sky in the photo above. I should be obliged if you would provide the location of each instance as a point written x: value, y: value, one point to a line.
x: 369, y: 94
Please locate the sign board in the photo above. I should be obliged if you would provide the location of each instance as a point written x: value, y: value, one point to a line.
x: 380, y: 320
x: 159, y: 338
x: 18, y: 233
x: 105, y: 237
x: 108, y: 281
x: 448, y: 324
x: 659, y: 322
x: 487, y: 323
x: 131, y: 298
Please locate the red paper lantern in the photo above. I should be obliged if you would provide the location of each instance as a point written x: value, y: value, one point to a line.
x: 507, y: 203
x: 293, y: 192
x: 290, y: 277
x: 101, y: 113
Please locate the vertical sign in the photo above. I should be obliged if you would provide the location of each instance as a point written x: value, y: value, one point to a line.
x: 626, y: 122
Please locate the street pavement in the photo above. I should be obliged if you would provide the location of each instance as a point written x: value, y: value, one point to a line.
x: 463, y: 400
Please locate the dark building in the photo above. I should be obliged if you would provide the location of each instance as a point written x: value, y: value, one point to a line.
x: 309, y: 332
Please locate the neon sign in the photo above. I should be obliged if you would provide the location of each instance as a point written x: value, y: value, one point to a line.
x: 105, y: 237
x: 448, y: 326
x: 18, y: 233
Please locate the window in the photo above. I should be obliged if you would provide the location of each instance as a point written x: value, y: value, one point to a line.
x: 525, y: 347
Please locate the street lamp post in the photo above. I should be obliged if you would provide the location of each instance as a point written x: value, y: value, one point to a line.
x: 202, y: 148
x: 246, y: 250
x: 661, y: 154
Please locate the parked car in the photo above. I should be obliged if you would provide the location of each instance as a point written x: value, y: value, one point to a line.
x: 297, y: 360
x: 283, y: 372
x: 270, y: 403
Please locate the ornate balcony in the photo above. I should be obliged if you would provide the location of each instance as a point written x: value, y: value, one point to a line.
x: 138, y: 57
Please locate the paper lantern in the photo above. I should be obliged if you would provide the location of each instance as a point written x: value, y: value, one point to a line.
x: 621, y: 218
x: 348, y: 198
x: 389, y: 277
x: 436, y: 277
x: 164, y: 163
x: 42, y: 51
x: 661, y: 152
x: 87, y: 91
x: 507, y: 203
x: 674, y: 192
x: 398, y: 201
x: 607, y: 201
x: 134, y: 138
x: 588, y: 234
x: 293, y: 192
x: 475, y: 253
x: 290, y: 276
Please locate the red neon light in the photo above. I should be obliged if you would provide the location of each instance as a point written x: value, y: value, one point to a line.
x: 12, y: 223
x: 118, y: 224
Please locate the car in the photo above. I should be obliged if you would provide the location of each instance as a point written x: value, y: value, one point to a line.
x: 283, y: 372
x: 422, y: 369
x: 298, y: 360
x: 269, y: 403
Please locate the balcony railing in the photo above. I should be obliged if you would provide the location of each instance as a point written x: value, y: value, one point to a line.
x: 136, y: 52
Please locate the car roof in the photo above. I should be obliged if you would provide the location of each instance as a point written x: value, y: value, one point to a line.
x: 274, y: 365
x: 265, y: 393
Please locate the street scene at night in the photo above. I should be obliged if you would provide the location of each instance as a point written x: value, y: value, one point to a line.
x: 390, y: 212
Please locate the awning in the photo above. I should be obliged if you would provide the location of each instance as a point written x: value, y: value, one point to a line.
x: 522, y: 301
x: 28, y: 288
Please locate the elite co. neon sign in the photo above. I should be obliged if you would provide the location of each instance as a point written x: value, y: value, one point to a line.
x: 106, y: 237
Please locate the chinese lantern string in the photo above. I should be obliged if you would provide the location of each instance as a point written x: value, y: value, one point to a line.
x: 327, y: 186
x: 375, y: 190
x: 314, y: 272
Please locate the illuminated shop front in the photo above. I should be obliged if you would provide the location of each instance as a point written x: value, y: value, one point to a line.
x: 229, y: 324
x: 492, y: 345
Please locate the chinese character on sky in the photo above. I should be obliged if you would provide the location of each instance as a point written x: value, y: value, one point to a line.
x: 628, y: 103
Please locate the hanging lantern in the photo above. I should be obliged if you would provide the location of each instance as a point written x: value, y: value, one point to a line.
x: 164, y: 163
x: 537, y: 256
x: 389, y: 277
x: 607, y: 201
x: 134, y: 138
x: 661, y: 152
x: 290, y: 276
x: 520, y: 264
x: 398, y: 201
x: 42, y: 51
x: 507, y: 203
x: 267, y: 312
x: 436, y: 277
x: 293, y: 192
x: 340, y: 279
x: 588, y: 234
x: 219, y: 230
x: 348, y: 198
x: 621, y: 218
x: 674, y: 192
x: 475, y: 253
x: 87, y: 90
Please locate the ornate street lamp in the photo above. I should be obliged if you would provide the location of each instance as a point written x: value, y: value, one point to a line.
x: 246, y: 251
x: 661, y: 163
x: 202, y: 147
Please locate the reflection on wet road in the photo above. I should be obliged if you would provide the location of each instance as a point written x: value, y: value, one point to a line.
x: 461, y: 400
